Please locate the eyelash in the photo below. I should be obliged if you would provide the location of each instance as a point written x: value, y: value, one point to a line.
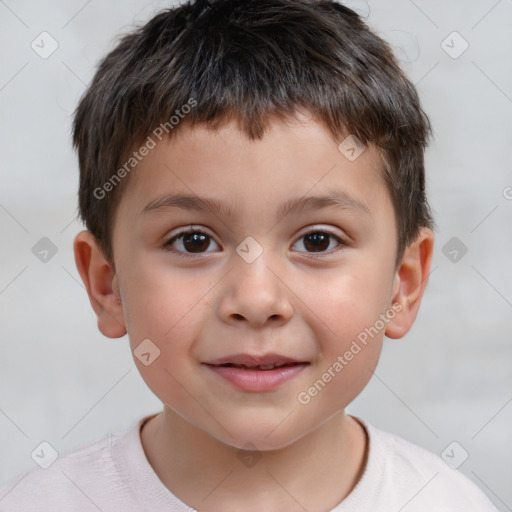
x: 168, y: 245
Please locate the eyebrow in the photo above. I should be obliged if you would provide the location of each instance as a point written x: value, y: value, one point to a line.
x: 334, y: 199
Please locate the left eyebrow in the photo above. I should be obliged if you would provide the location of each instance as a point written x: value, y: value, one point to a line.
x: 335, y: 198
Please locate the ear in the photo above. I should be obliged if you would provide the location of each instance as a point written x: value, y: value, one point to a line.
x: 101, y: 284
x: 410, y: 281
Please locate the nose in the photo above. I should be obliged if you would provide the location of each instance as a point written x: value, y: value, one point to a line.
x: 255, y: 294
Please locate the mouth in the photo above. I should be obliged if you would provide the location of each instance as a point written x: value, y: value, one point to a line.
x: 257, y: 373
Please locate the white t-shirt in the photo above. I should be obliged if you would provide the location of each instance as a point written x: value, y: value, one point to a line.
x: 112, y: 474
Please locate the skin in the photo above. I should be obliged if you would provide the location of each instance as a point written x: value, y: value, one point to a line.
x: 291, y: 300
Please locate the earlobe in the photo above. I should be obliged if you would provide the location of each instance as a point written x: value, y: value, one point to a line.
x: 101, y: 284
x: 410, y: 281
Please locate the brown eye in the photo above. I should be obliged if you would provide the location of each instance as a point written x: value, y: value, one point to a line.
x: 189, y: 242
x: 319, y: 241
x: 196, y: 242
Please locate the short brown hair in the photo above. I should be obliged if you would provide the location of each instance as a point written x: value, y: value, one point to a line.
x: 250, y: 60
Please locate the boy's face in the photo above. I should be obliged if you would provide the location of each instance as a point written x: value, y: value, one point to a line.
x: 256, y: 285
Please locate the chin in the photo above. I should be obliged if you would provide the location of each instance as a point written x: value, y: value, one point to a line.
x: 263, y: 435
x: 261, y: 442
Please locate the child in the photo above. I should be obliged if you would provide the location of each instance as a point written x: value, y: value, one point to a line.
x: 281, y: 138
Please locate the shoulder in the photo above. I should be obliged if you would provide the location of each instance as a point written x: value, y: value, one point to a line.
x: 414, y: 479
x: 78, y: 480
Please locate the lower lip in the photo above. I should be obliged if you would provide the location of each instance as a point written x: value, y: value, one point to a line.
x: 257, y: 380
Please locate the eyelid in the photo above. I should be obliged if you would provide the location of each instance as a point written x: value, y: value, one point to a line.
x: 320, y: 229
x: 191, y: 228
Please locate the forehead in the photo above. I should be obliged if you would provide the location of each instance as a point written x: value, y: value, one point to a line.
x: 296, y: 165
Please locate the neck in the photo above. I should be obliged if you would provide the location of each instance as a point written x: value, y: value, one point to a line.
x: 314, y: 473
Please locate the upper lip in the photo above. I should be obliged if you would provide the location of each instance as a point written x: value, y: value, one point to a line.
x: 255, y: 360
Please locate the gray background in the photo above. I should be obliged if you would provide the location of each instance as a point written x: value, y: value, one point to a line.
x: 449, y: 379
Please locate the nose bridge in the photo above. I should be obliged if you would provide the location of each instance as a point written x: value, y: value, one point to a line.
x: 255, y: 291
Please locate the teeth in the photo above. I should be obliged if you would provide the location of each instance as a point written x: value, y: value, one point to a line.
x: 260, y: 367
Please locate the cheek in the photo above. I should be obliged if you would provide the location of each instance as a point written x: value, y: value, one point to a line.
x: 161, y: 323
x: 346, y: 311
x: 161, y: 299
x: 350, y: 348
x: 163, y: 305
x: 346, y: 304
